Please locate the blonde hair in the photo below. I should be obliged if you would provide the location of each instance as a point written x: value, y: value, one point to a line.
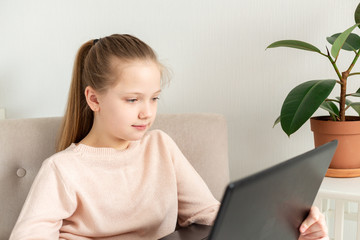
x: 93, y: 67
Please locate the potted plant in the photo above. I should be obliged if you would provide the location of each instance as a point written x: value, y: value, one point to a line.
x: 303, y: 100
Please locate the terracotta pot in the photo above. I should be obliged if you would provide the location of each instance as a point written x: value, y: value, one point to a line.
x: 347, y: 155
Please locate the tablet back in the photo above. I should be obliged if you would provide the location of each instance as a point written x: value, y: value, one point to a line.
x: 272, y: 204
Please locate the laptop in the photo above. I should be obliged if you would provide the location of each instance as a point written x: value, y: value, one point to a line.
x: 268, y: 205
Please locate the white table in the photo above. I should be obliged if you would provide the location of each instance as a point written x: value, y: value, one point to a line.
x: 342, y: 190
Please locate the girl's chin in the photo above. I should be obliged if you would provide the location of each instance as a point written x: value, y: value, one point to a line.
x: 136, y: 137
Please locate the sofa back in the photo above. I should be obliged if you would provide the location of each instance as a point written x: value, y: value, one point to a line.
x: 26, y: 143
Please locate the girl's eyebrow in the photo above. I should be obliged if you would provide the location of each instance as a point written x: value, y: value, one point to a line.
x: 140, y: 93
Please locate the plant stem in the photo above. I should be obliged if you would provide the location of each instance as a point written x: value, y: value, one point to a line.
x: 334, y: 65
x: 352, y: 74
x: 344, y: 77
x: 353, y: 62
x: 347, y: 107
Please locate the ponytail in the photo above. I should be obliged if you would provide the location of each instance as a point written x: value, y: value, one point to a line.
x: 78, y: 117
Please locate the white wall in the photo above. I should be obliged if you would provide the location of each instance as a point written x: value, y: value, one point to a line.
x: 215, y: 48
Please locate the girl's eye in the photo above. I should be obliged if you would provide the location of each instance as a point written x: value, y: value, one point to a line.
x: 156, y: 99
x: 132, y: 100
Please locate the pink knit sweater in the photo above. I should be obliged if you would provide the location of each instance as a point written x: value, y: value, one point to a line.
x: 102, y: 193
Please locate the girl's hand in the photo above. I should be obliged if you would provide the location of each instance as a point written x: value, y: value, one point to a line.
x: 314, y: 226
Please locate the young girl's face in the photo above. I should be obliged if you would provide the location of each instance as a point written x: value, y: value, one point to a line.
x: 128, y: 109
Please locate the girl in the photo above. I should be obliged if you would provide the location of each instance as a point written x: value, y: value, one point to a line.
x: 111, y: 179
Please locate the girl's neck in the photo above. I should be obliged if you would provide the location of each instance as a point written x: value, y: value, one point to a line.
x: 94, y: 140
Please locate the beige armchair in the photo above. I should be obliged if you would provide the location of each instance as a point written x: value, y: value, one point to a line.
x: 25, y: 143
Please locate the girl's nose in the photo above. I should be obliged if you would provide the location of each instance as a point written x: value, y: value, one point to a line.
x: 146, y: 112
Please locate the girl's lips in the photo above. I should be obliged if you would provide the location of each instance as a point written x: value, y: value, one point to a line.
x: 140, y: 127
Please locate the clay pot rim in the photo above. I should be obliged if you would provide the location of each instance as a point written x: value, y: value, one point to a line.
x: 325, y: 124
x: 328, y: 118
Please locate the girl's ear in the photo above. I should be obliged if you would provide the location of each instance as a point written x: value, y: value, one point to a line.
x: 92, y: 99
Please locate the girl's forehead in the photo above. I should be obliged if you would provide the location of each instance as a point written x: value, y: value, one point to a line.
x: 138, y: 74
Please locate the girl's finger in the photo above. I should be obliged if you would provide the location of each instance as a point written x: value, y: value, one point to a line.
x: 313, y: 217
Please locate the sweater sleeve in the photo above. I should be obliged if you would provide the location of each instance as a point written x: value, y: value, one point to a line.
x: 196, y: 204
x: 48, y: 202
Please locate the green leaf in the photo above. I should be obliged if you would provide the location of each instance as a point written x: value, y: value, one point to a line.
x: 294, y: 44
x: 357, y: 14
x: 331, y: 108
x: 301, y: 103
x: 276, y: 121
x: 339, y: 42
x: 354, y: 105
x: 352, y: 43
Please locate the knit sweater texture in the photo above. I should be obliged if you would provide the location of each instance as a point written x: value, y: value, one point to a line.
x: 103, y: 193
